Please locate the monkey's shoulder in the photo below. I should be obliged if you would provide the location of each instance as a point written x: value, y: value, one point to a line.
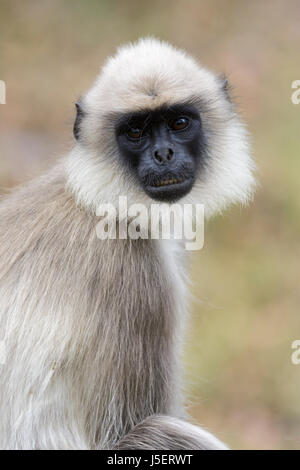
x: 41, y: 219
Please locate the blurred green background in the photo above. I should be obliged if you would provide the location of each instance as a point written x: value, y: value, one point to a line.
x: 245, y: 308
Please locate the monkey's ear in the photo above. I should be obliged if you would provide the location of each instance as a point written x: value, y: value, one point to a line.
x: 79, y: 116
x: 225, y: 86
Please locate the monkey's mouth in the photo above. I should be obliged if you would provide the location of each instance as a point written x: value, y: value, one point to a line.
x: 167, y: 182
x: 169, y: 189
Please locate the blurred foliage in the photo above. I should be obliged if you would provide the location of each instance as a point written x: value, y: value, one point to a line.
x: 245, y: 306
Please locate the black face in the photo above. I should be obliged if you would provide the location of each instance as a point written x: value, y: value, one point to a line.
x: 163, y: 148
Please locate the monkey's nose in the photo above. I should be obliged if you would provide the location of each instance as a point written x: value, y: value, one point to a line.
x: 162, y: 155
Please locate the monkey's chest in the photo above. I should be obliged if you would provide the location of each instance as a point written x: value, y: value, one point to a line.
x: 137, y: 366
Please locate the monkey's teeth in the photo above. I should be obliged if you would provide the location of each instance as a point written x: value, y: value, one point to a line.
x: 168, y: 182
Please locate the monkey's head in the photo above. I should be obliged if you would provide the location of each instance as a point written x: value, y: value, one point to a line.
x: 157, y: 126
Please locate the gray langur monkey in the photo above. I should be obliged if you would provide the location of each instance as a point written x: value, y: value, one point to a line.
x: 92, y: 329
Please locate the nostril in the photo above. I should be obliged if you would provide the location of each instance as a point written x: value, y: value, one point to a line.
x: 170, y: 154
x: 157, y: 156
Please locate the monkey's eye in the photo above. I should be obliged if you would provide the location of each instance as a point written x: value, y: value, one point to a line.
x: 179, y: 124
x: 135, y: 133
